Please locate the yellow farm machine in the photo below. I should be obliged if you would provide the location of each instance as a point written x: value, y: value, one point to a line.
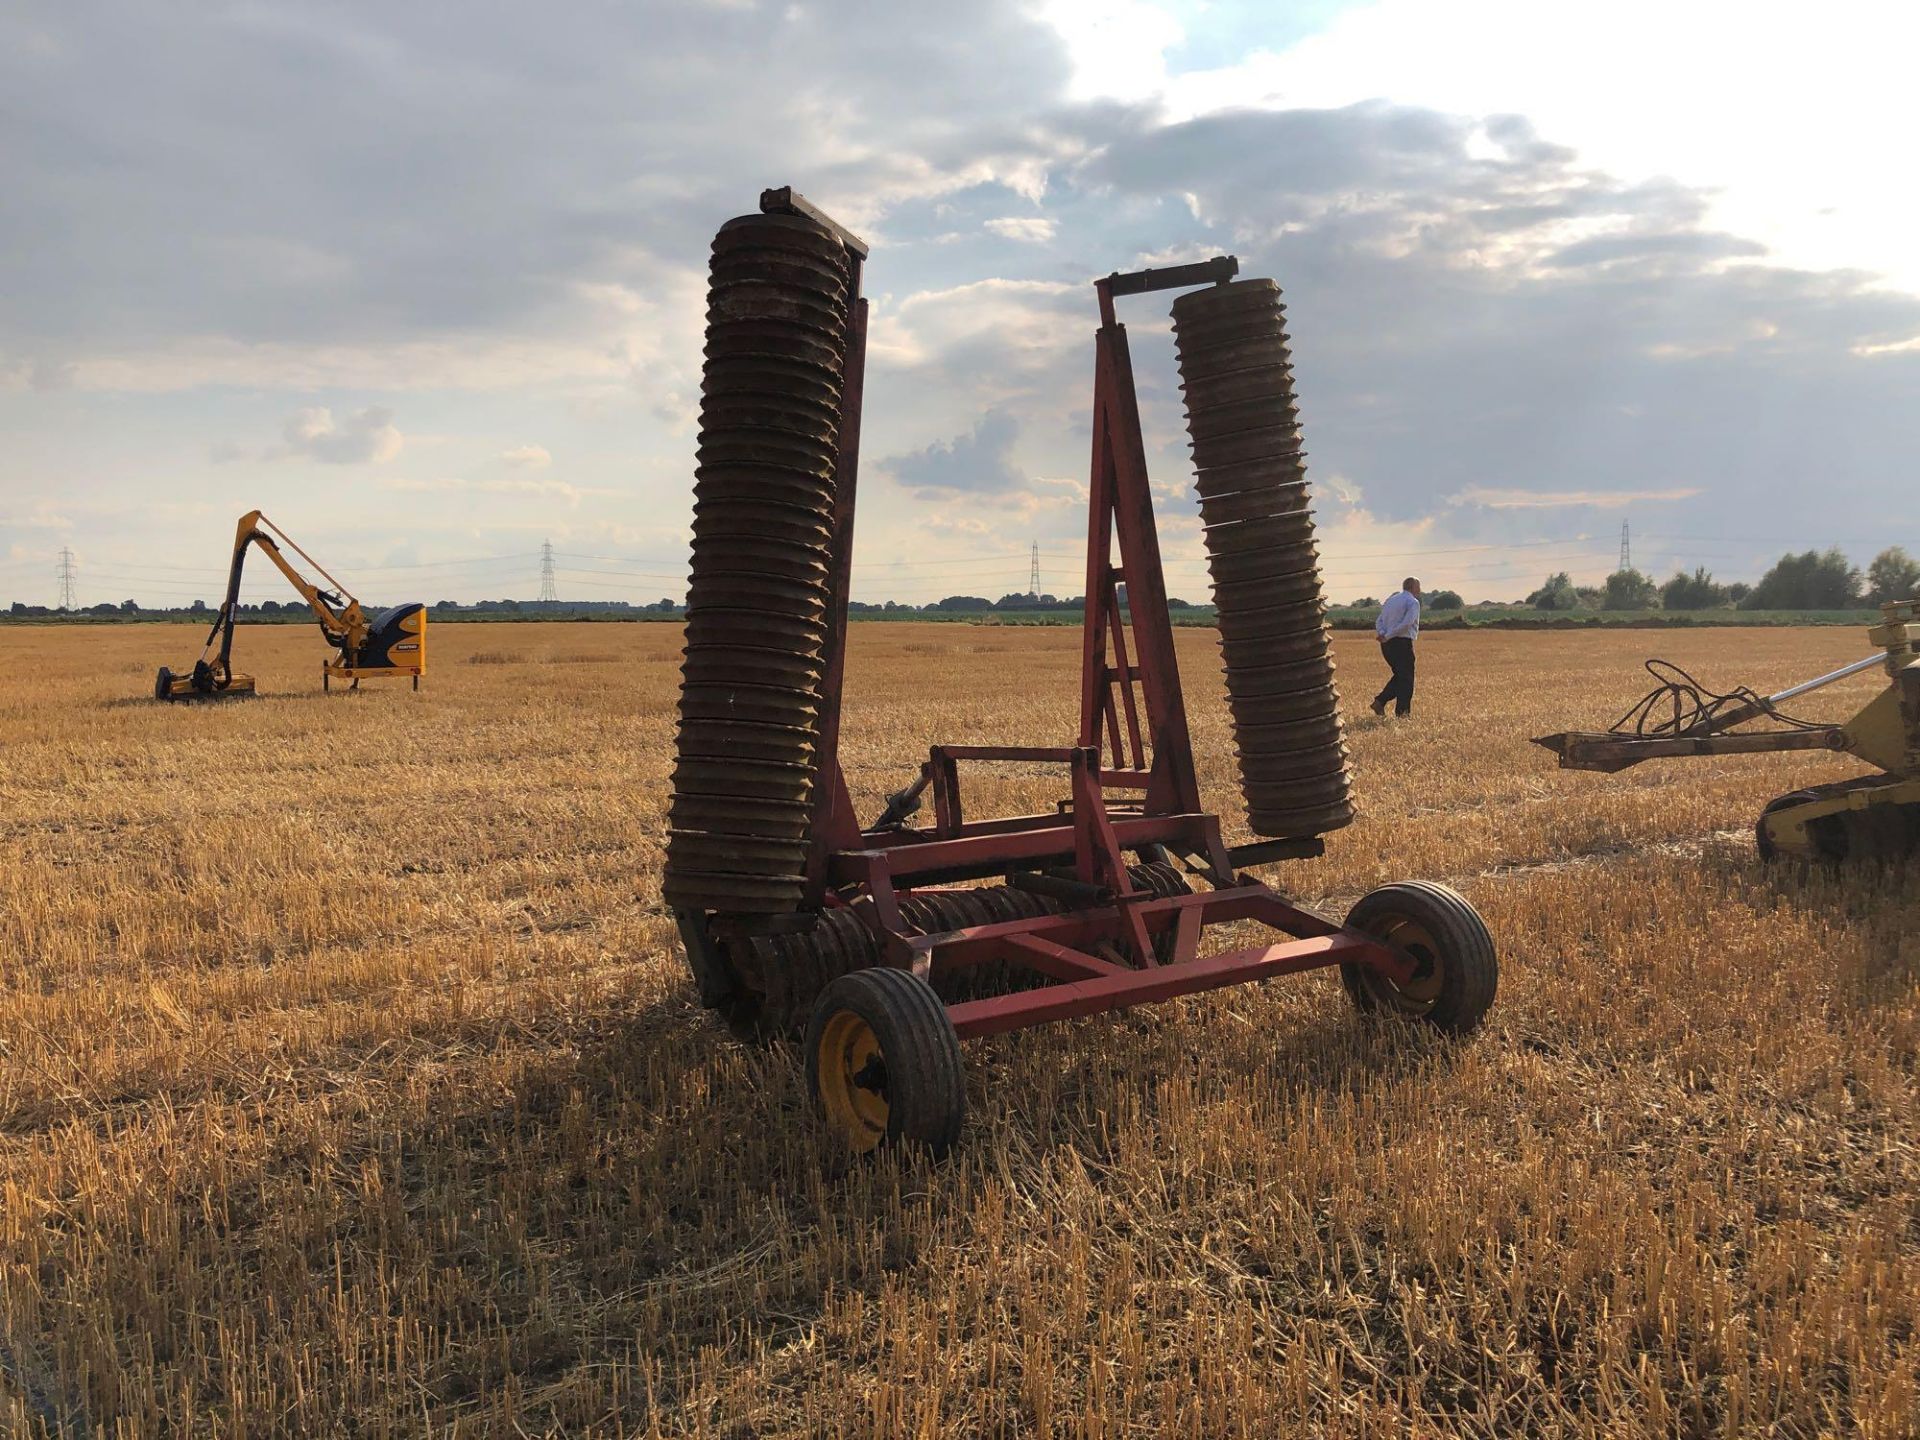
x: 392, y: 643
x: 1870, y: 816
x: 889, y: 942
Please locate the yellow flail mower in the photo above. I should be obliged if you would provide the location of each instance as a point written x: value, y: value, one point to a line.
x: 393, y: 643
x: 1869, y: 816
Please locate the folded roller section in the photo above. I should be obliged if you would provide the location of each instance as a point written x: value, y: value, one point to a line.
x: 1251, y: 475
x: 777, y: 325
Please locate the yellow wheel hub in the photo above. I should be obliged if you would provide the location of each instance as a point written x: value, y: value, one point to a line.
x: 1418, y: 993
x: 852, y: 1078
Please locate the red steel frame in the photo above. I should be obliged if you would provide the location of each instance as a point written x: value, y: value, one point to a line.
x: 1133, y: 740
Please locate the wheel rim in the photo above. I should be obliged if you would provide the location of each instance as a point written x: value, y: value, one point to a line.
x: 853, y: 1080
x: 1421, y: 992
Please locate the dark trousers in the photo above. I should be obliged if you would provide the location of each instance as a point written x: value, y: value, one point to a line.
x: 1398, y: 654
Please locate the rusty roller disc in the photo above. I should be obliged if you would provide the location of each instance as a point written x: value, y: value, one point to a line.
x: 785, y: 415
x: 760, y: 231
x: 1247, y: 445
x: 1241, y: 494
x: 1288, y: 618
x: 757, y: 626
x: 744, y: 740
x: 740, y: 815
x: 757, y: 340
x: 1249, y: 350
x: 751, y: 704
x: 701, y: 850
x: 1216, y: 301
x: 734, y: 556
x: 1263, y: 770
x: 755, y: 629
x: 1266, y: 475
x: 762, y: 519
x: 731, y: 892
x: 1297, y: 587
x: 1325, y: 782
x: 1216, y: 422
x: 1268, y: 534
x: 811, y: 493
x: 753, y: 379
x: 780, y: 267
x: 716, y: 600
x: 1262, y: 326
x: 1260, y: 382
x: 793, y: 275
x: 720, y: 744
x: 806, y: 454
x: 1252, y: 728
x: 1228, y: 345
x: 1242, y: 654
x: 1292, y: 737
x: 748, y: 665
x: 1222, y: 518
x: 1328, y: 789
x: 752, y: 779
x: 795, y: 291
x: 762, y: 304
x: 1275, y: 563
x: 1290, y: 824
x: 775, y: 374
x: 1254, y: 682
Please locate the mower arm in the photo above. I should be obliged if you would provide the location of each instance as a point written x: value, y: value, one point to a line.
x: 1598, y: 750
x: 338, y: 612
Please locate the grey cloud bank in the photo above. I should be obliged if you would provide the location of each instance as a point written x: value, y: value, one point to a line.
x: 509, y: 211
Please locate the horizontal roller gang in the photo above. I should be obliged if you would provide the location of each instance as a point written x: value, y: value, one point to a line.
x: 787, y: 973
x: 758, y: 597
x: 1251, y: 476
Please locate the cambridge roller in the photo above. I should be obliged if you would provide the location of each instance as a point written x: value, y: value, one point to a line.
x: 756, y: 603
x: 1238, y: 379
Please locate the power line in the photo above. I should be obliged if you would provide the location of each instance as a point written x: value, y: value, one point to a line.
x: 1033, y: 569
x: 64, y: 572
x: 1626, y: 548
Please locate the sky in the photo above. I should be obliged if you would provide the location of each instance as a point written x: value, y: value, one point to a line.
x: 425, y: 282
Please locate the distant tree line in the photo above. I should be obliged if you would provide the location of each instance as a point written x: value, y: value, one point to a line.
x: 1813, y: 580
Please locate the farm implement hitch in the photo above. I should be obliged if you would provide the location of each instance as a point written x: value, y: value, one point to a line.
x: 888, y: 943
x: 1866, y: 817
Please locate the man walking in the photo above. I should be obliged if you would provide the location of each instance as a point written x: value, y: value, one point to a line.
x: 1397, y: 628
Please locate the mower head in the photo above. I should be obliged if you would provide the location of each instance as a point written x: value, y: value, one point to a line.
x: 204, y: 683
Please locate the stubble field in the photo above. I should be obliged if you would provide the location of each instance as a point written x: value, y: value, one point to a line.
x: 349, y: 1082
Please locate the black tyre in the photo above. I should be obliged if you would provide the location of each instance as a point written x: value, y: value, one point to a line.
x: 884, y: 1064
x: 1456, y: 970
x: 163, y: 684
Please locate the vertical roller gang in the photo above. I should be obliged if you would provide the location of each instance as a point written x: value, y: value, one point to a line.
x: 757, y: 601
x: 1238, y: 379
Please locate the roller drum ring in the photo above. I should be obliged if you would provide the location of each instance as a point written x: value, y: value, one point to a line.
x: 748, y: 665
x: 750, y: 704
x: 1265, y: 444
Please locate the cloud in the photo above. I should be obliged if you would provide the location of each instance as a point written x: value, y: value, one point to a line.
x: 457, y: 200
x: 979, y: 462
x: 1032, y: 229
x: 528, y: 457
x: 369, y: 437
x: 561, y: 490
x: 41, y: 517
x: 1494, y: 498
x: 514, y: 218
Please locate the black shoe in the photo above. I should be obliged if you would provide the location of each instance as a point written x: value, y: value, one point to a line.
x: 1380, y: 708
